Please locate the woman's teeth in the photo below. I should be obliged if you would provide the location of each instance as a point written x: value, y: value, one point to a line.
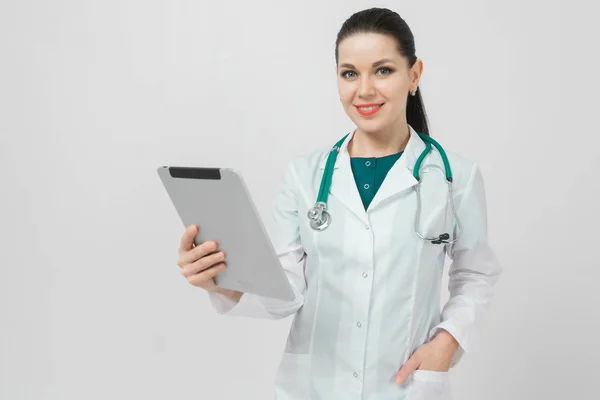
x: 369, y: 108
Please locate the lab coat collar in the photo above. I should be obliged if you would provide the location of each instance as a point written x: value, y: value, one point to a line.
x: 398, y: 179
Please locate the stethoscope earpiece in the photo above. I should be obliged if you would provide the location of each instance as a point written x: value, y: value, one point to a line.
x: 443, y: 238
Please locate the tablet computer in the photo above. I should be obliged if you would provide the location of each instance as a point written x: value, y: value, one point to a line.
x: 218, y: 201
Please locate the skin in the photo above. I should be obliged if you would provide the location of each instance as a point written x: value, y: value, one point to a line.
x: 199, y: 266
x: 359, y: 82
x: 386, y: 132
x: 362, y: 80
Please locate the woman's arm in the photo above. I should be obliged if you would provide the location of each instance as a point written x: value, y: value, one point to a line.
x: 473, y: 272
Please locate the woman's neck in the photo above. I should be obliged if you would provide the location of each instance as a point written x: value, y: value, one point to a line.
x: 379, y: 144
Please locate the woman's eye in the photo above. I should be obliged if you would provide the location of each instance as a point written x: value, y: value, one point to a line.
x: 345, y: 74
x: 389, y: 71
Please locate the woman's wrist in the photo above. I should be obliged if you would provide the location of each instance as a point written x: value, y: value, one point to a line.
x: 232, y: 294
x: 445, y: 339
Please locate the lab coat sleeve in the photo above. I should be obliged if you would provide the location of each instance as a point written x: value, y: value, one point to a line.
x: 473, y: 272
x: 284, y: 232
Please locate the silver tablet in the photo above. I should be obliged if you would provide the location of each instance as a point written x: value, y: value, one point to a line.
x: 218, y: 201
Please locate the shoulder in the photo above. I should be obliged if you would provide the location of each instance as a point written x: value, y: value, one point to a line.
x: 307, y: 164
x: 465, y: 172
x: 302, y: 174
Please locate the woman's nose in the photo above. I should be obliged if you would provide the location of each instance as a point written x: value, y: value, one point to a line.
x: 366, y: 88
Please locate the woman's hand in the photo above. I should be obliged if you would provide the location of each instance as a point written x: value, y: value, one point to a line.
x: 200, y: 264
x: 433, y: 356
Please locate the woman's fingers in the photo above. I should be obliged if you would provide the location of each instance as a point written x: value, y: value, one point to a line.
x: 204, y: 279
x: 197, y: 253
x: 202, y: 264
x: 409, y: 366
x: 187, y: 240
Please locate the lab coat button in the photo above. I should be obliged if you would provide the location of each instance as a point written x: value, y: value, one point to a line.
x: 367, y: 227
x: 365, y: 274
x: 358, y: 324
x: 355, y: 375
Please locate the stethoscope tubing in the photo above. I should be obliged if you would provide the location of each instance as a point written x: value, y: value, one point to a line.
x: 320, y: 218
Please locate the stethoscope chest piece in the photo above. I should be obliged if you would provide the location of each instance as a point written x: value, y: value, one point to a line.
x: 319, y: 217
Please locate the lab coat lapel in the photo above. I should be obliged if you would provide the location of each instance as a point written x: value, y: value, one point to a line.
x: 343, y: 185
x: 400, y: 176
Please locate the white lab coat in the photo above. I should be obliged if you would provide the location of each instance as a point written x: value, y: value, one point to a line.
x: 367, y: 288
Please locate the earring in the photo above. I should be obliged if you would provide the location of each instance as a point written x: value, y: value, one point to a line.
x: 414, y: 92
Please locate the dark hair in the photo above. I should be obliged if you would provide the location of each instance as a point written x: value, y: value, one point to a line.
x: 387, y: 22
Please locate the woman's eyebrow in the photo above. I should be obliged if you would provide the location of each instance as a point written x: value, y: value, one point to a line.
x: 376, y: 63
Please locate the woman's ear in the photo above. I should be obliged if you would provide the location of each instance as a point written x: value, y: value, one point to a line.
x: 417, y: 72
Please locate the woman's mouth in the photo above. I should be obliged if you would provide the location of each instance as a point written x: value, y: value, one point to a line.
x: 368, y: 109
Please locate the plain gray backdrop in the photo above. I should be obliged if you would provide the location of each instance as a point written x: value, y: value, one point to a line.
x: 95, y: 95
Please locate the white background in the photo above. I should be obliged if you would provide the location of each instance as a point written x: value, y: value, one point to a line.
x: 95, y: 95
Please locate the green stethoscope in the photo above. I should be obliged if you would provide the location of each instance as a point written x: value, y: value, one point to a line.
x: 320, y: 218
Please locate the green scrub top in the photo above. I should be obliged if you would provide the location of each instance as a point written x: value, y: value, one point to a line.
x: 369, y: 173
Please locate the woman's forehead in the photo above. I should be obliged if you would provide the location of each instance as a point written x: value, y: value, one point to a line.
x: 367, y: 47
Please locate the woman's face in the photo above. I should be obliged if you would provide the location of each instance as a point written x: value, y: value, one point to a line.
x: 372, y: 71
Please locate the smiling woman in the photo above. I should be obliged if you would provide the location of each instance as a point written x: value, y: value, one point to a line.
x: 367, y: 282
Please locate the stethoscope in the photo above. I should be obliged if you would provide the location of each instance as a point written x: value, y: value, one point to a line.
x: 320, y: 218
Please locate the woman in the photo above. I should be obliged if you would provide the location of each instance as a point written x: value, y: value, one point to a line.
x: 368, y: 323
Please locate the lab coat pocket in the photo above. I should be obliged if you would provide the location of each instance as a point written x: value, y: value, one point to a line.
x: 431, y: 385
x: 292, y: 378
